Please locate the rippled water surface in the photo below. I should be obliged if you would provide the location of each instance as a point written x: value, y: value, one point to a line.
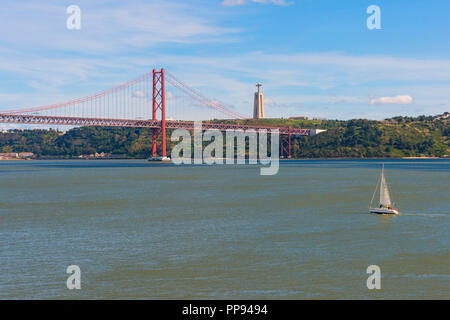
x: 143, y: 230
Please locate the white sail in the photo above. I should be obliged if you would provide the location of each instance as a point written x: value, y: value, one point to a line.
x: 385, y: 198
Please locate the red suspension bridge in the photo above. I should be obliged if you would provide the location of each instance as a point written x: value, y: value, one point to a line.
x: 128, y: 105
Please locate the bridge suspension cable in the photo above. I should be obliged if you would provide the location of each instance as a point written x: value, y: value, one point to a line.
x: 92, y: 97
x: 115, y: 101
x: 197, y: 96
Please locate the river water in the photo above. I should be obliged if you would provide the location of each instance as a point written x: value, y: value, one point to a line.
x: 158, y: 231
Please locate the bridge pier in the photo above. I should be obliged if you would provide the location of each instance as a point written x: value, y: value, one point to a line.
x: 159, y: 102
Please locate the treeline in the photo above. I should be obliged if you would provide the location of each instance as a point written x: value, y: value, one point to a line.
x: 371, y: 139
x: 391, y: 138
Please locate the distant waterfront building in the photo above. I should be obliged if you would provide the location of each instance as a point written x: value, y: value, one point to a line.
x: 17, y: 155
x: 10, y: 155
x: 26, y: 155
x: 258, y: 105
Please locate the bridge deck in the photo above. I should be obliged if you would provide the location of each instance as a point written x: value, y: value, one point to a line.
x: 170, y: 124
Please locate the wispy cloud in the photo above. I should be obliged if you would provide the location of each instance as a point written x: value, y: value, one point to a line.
x: 109, y: 26
x: 242, y: 2
x: 336, y: 79
x: 323, y: 71
x: 342, y: 84
x: 231, y: 3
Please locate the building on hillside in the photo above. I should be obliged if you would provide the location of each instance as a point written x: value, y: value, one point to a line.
x: 9, y: 155
x: 298, y: 118
x: 443, y: 116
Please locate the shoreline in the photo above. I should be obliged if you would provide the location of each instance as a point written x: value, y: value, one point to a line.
x: 284, y: 159
x: 347, y: 158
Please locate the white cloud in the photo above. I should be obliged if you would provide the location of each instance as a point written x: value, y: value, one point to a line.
x: 231, y: 3
x: 9, y: 97
x: 393, y: 100
x: 170, y: 95
x: 268, y: 100
x: 139, y: 94
x: 285, y: 104
x: 280, y: 2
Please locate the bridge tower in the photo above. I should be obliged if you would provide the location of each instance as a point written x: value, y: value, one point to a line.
x: 159, y: 103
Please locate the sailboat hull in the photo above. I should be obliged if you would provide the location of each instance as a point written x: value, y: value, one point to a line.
x: 383, y: 211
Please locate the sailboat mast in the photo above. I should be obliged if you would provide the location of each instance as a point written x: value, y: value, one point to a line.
x: 381, y: 183
x: 374, y: 192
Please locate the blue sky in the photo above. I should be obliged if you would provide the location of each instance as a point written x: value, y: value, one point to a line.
x: 314, y: 57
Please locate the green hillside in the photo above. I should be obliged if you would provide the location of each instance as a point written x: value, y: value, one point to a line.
x: 391, y: 138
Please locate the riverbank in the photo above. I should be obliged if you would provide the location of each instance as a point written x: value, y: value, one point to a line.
x: 283, y: 159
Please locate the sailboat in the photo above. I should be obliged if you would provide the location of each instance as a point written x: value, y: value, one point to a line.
x: 385, y: 206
